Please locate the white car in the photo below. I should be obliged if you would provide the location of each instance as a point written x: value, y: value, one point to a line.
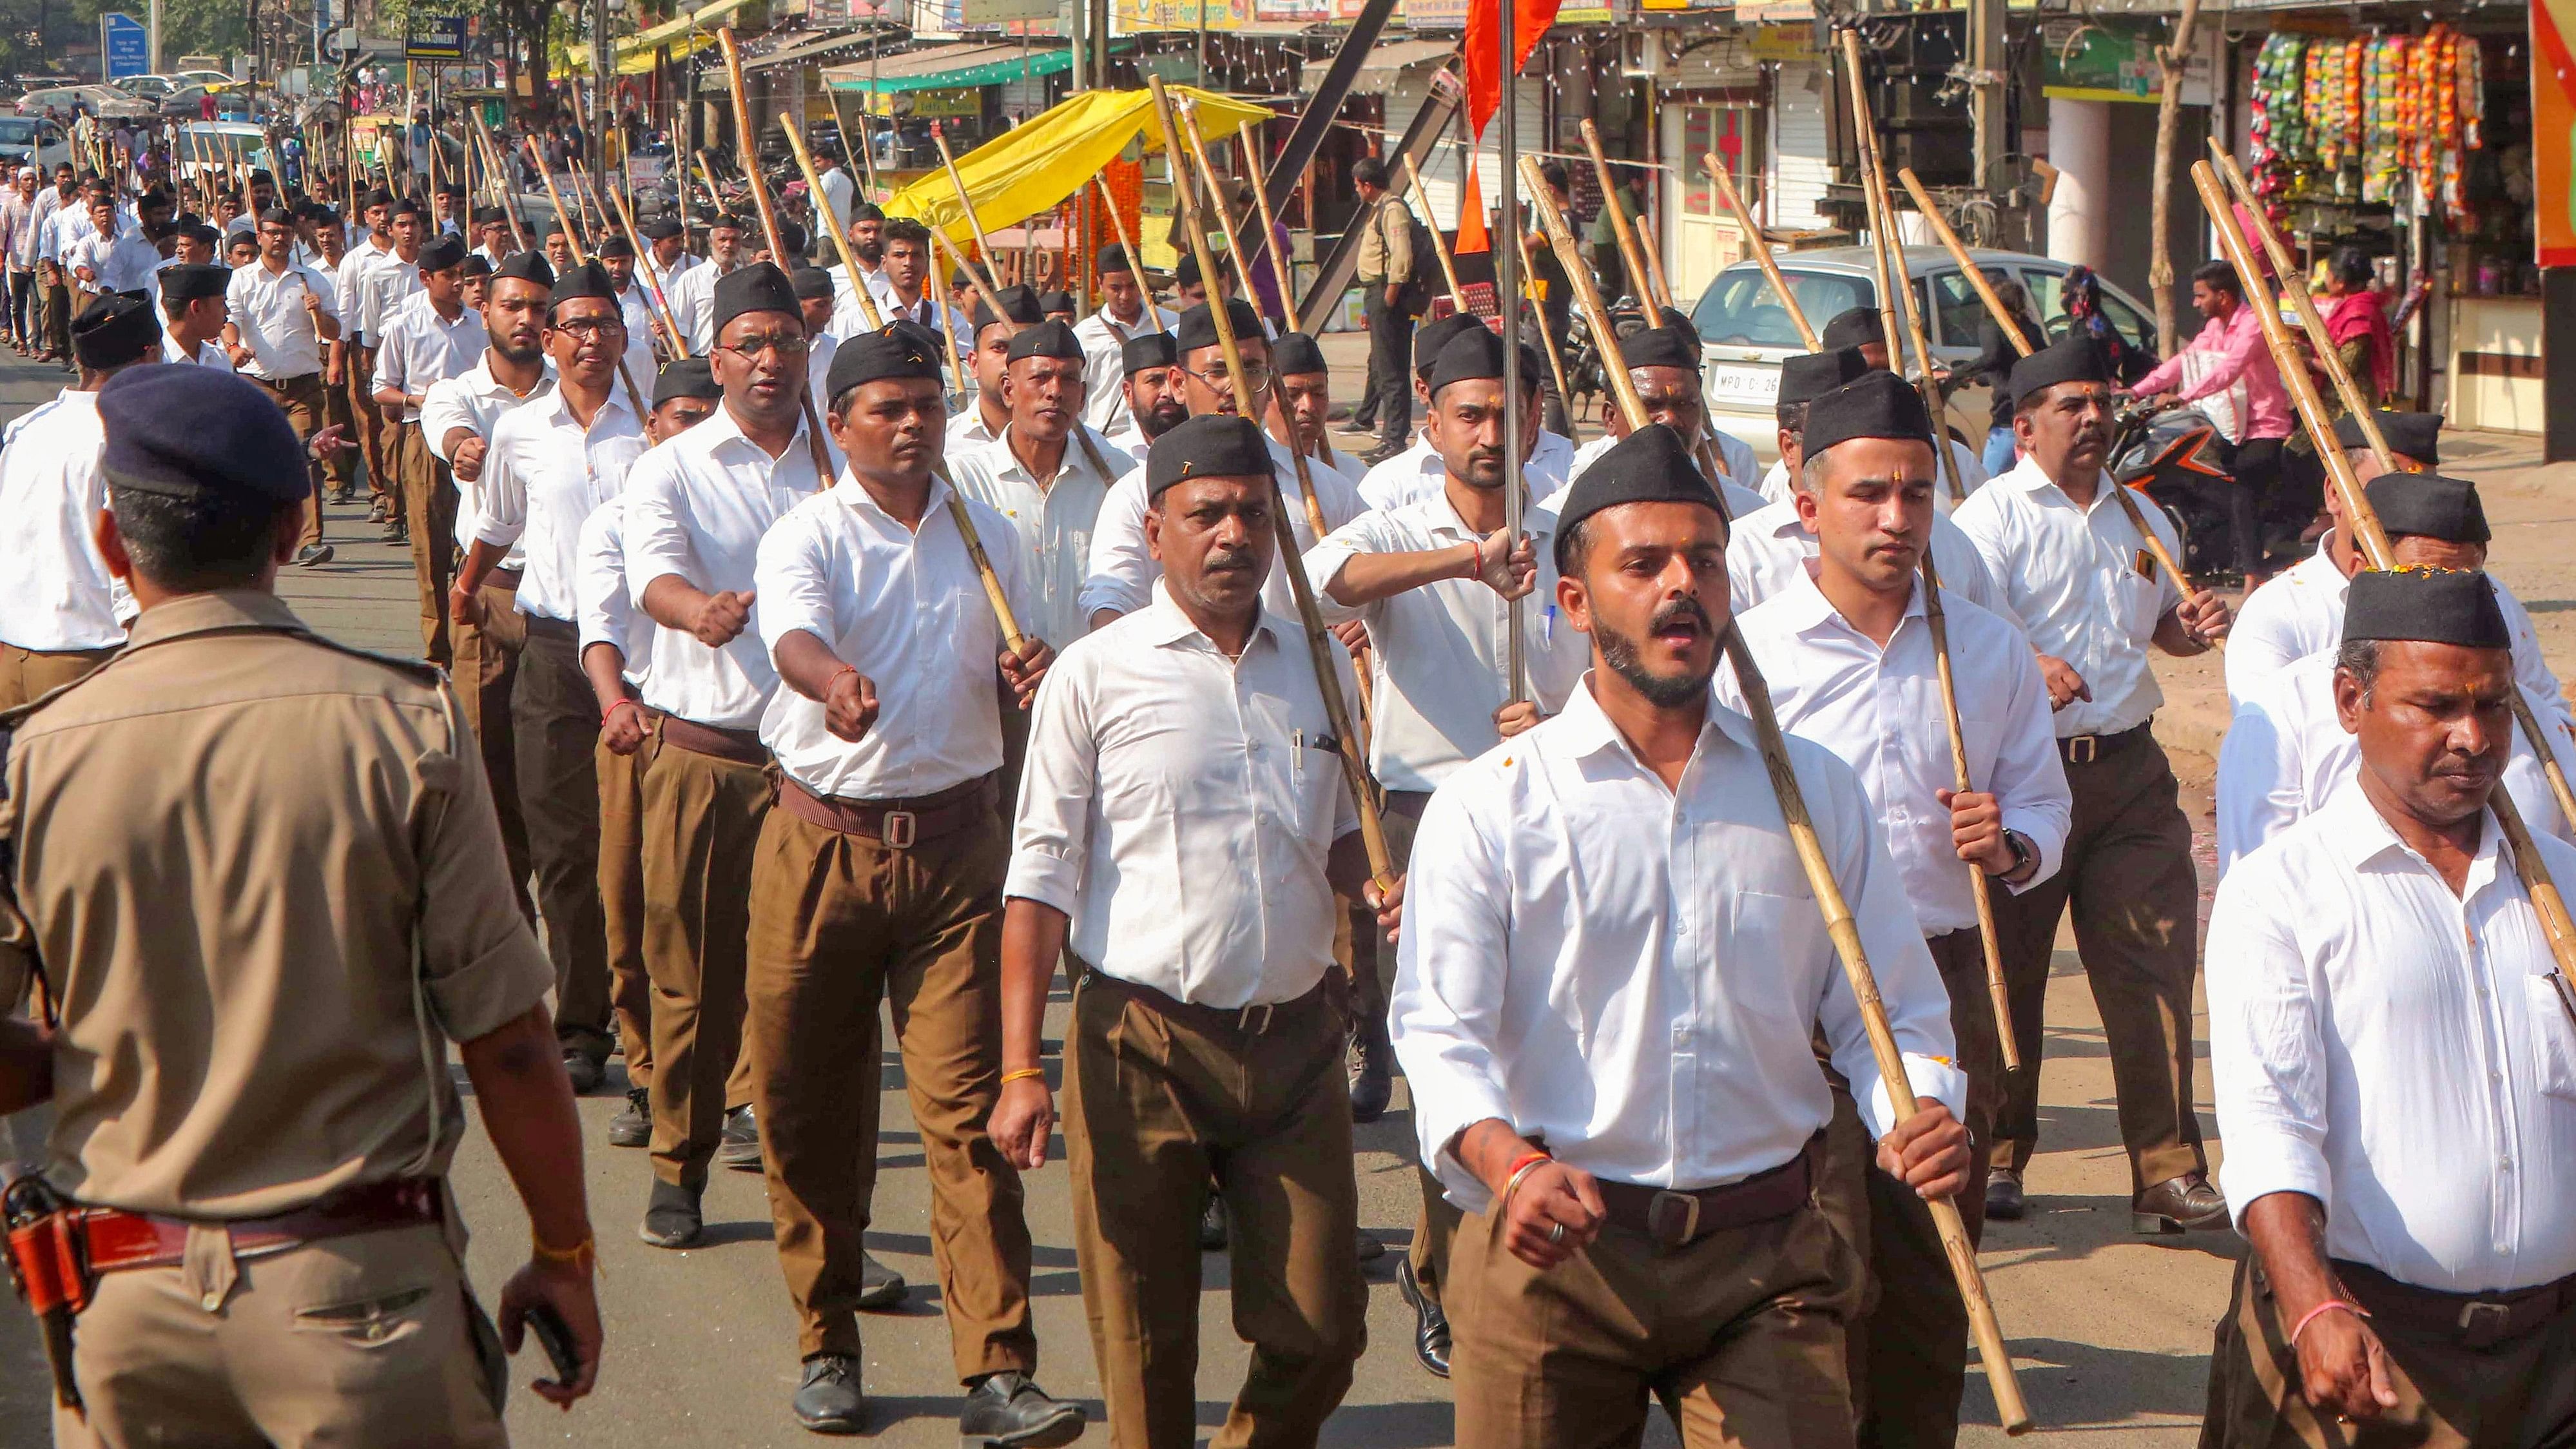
x: 33, y: 141
x: 1745, y: 332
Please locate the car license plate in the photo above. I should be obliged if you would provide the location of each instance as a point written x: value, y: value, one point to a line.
x: 1736, y: 382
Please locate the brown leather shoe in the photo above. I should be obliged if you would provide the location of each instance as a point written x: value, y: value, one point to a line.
x: 2178, y: 1205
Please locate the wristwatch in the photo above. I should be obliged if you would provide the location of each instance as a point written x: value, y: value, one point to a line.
x: 2025, y: 857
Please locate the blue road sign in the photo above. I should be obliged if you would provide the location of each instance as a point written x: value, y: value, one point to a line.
x: 129, y: 45
x: 435, y: 37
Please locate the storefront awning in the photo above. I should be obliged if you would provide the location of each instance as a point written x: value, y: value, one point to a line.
x: 707, y: 18
x: 813, y: 48
x: 1033, y: 166
x: 950, y: 67
x: 1388, y: 60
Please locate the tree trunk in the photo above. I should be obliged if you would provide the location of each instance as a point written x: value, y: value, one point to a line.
x: 2160, y: 276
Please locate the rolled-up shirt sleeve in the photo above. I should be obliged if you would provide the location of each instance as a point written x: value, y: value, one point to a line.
x: 1120, y: 573
x: 1051, y: 822
x: 501, y: 496
x: 1452, y: 961
x: 657, y: 538
x: 792, y: 578
x: 442, y: 411
x: 2266, y: 1053
x: 1325, y: 562
x: 2029, y: 782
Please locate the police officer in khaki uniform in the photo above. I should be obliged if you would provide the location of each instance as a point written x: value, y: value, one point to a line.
x: 253, y: 1110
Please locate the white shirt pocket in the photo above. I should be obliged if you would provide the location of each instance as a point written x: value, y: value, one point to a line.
x: 2553, y: 1033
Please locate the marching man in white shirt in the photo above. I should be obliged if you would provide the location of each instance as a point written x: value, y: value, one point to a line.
x: 1611, y: 972
x: 1663, y: 365
x: 192, y: 308
x: 1154, y: 387
x: 691, y: 294
x: 1207, y: 1033
x: 2393, y: 1051
x: 1847, y: 650
x: 986, y: 415
x: 879, y: 880
x: 278, y: 318
x: 1299, y: 416
x: 432, y: 337
x: 2091, y: 599
x: 1433, y: 581
x: 548, y: 465
x: 1127, y: 312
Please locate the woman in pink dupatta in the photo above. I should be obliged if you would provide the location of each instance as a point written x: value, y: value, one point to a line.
x: 2357, y: 324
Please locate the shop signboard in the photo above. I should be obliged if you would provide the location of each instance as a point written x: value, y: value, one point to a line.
x: 435, y: 37
x: 1292, y: 12
x: 2111, y: 58
x: 1006, y: 12
x: 1147, y: 15
x: 2553, y: 131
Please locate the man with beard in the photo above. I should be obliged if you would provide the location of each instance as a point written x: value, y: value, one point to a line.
x: 278, y: 317
x: 1299, y: 416
x: 492, y: 233
x: 457, y: 418
x: 1153, y: 388
x: 985, y: 418
x: 691, y: 295
x: 1127, y: 311
x: 904, y: 293
x: 1663, y: 365
x: 2075, y: 570
x: 1634, y: 1137
x: 695, y: 512
x: 867, y: 243
x: 548, y: 465
x: 1206, y: 1038
x: 1847, y: 651
x: 1432, y: 581
x: 879, y: 878
x: 2393, y: 1051
x: 666, y: 256
x: 556, y: 241
x: 1413, y: 472
x: 432, y: 338
x: 616, y: 256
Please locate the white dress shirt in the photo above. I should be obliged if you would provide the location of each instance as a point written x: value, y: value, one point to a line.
x: 474, y: 401
x: 636, y: 310
x: 1439, y: 652
x: 120, y: 263
x: 1397, y: 482
x: 1152, y: 757
x: 208, y: 354
x: 1770, y: 551
x: 421, y: 348
x: 1636, y: 974
x: 667, y: 277
x: 1879, y: 711
x: 838, y: 189
x: 349, y: 284
x: 1104, y: 360
x: 928, y: 310
x: 968, y: 430
x: 268, y: 310
x: 542, y: 475
x: 692, y: 296
x: 56, y: 594
x: 2396, y: 1052
x: 2083, y: 586
x: 2300, y: 612
x: 2286, y: 754
x: 908, y: 609
x: 1122, y: 573
x: 1054, y: 522
x: 608, y: 612
x: 381, y: 290
x: 696, y: 508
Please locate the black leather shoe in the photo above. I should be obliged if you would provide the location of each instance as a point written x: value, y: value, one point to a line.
x: 1430, y: 1325
x: 1009, y: 1409
x: 880, y: 1287
x: 634, y: 1126
x: 671, y: 1217
x: 2178, y: 1205
x: 585, y: 1070
x: 740, y: 1149
x: 828, y: 1400
x: 1369, y: 1248
x: 1212, y: 1225
x: 2003, y: 1195
x: 312, y: 555
x: 1372, y: 1083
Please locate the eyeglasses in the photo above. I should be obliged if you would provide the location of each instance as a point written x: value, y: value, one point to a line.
x: 590, y: 326
x: 785, y: 344
x: 1256, y: 376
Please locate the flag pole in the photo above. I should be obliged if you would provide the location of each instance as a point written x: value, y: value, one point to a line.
x: 1507, y: 299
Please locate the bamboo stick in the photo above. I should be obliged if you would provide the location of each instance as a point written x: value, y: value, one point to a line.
x: 1279, y: 265
x: 1431, y: 224
x: 1762, y: 253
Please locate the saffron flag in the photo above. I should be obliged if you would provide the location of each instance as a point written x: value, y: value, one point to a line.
x: 1472, y: 235
x: 1530, y: 20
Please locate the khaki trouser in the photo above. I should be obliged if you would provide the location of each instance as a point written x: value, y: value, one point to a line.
x: 1906, y: 1333
x: 301, y: 397
x: 27, y: 675
x: 383, y: 478
x: 1435, y: 1224
x: 702, y: 828
x: 340, y: 470
x: 486, y: 668
x: 2519, y: 1393
x: 839, y: 922
x: 429, y: 503
x: 555, y: 727
x: 1740, y: 1334
x: 621, y: 900
x: 1157, y: 1104
x: 366, y: 1339
x: 2128, y: 875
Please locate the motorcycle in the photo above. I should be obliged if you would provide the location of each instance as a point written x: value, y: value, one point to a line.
x: 2172, y: 456
x: 1584, y: 375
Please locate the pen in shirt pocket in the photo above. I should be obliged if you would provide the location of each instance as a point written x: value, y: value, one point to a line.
x: 1547, y: 625
x: 1297, y: 756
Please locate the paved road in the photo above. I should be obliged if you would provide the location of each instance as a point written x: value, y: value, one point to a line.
x: 2109, y: 1333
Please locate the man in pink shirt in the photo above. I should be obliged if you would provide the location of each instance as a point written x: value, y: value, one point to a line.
x: 2229, y: 357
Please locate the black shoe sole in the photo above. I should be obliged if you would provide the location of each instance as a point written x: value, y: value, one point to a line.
x: 1053, y: 1434
x: 883, y: 1297
x: 832, y: 1425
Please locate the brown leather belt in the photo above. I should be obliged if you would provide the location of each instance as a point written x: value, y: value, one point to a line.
x: 1254, y: 1020
x: 1678, y: 1219
x: 2481, y: 1320
x: 742, y: 747
x: 542, y: 627
x: 898, y: 824
x: 112, y: 1238
x: 2085, y: 749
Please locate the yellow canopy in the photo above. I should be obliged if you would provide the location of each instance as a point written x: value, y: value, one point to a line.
x: 1031, y: 167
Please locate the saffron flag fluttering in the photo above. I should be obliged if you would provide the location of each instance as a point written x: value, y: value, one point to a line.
x: 1530, y: 20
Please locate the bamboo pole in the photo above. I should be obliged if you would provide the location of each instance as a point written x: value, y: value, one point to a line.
x: 509, y: 212
x: 1949, y: 240
x: 1126, y: 244
x: 863, y: 164
x: 965, y: 203
x: 1991, y: 1349
x: 1321, y: 645
x: 664, y: 317
x: 1762, y: 253
x: 1431, y: 224
x: 1547, y: 341
x: 1632, y: 251
x: 572, y: 239
x: 1279, y: 265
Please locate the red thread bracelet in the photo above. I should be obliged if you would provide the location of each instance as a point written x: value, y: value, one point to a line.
x: 2331, y: 1304
x: 609, y: 713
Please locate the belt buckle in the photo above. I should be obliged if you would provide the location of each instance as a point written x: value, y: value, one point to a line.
x: 1690, y: 1216
x: 2483, y: 1323
x: 1254, y: 1020
x: 2083, y: 749
x: 899, y: 829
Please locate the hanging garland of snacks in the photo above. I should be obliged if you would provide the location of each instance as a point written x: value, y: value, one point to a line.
x: 2349, y: 118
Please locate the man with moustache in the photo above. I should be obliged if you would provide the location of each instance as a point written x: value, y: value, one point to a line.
x: 1663, y: 365
x: 984, y: 420
x: 192, y: 310
x: 666, y: 254
x: 904, y: 293
x: 1633, y: 1137
x: 492, y: 235
x: 278, y: 318
x: 616, y: 256
x: 1127, y: 311
x: 1299, y: 414
x: 2077, y: 573
x: 1154, y: 388
x: 1413, y: 471
x: 867, y: 242
x: 431, y: 338
x: 547, y: 466
x: 691, y: 294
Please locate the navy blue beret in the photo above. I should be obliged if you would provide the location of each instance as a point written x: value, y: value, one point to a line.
x: 188, y: 432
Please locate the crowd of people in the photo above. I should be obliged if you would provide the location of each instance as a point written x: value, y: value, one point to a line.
x: 800, y: 644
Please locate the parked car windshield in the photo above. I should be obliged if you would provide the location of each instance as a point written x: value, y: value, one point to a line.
x: 18, y: 130
x: 1740, y: 310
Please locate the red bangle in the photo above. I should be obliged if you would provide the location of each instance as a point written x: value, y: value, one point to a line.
x: 2330, y: 1305
x: 606, y: 714
x: 1524, y: 1160
x: 836, y: 678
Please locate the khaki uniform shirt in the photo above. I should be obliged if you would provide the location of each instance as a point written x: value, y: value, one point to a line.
x: 1386, y: 243
x: 236, y: 850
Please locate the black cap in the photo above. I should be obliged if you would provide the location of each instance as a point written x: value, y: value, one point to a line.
x: 582, y: 279
x: 931, y: 342
x: 1430, y: 337
x: 490, y: 216
x: 1673, y: 319
x: 189, y: 432
x: 189, y: 281
x: 1112, y: 258
x: 1047, y: 339
x: 1059, y: 301
x: 812, y: 284
x: 1295, y: 352
x: 529, y: 266
x: 277, y: 216
x: 2072, y: 358
x: 1665, y: 346
x: 438, y: 256
x: 1877, y: 404
x: 1197, y: 327
x: 2410, y: 435
x: 759, y: 287
x: 406, y: 206
x: 1810, y: 375
x: 2428, y: 505
x: 377, y: 197
x: 791, y: 239
x: 1853, y: 327
x: 866, y: 211
x: 661, y: 227
x: 476, y: 265
x: 1472, y: 356
x: 1019, y: 306
x: 2431, y: 606
x: 114, y: 330
x: 686, y: 377
x: 615, y: 246
x: 1148, y: 349
x: 555, y: 226
x: 1650, y: 465
x: 1187, y: 273
x: 871, y: 356
x: 1212, y: 445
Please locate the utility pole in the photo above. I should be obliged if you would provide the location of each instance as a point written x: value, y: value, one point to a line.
x: 599, y: 79
x: 1986, y: 90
